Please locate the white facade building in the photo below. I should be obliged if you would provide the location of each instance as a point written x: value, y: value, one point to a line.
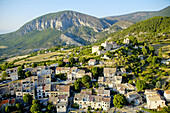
x: 167, y: 95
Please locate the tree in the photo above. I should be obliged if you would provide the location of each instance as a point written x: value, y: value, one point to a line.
x: 36, y: 107
x: 101, y: 48
x: 28, y: 74
x: 133, y: 40
x: 154, y: 60
x: 149, y: 59
x: 82, y: 59
x: 61, y: 76
x: 34, y: 65
x: 27, y: 98
x: 142, y: 62
x: 71, y: 60
x: 97, y: 72
x: 140, y: 85
x: 130, y: 81
x: 77, y: 85
x: 166, y: 109
x: 19, y: 106
x: 50, y: 107
x: 7, y: 109
x: 119, y: 101
x: 160, y: 53
x: 151, y: 49
x: 4, y: 74
x: 95, y: 84
x: 158, y: 84
x: 144, y: 51
x: 61, y: 63
x: 86, y: 80
x: 21, y: 73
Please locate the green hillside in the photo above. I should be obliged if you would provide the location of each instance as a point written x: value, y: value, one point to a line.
x: 152, y: 30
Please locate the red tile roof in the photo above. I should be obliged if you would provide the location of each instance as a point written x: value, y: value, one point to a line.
x: 5, y: 101
x: 12, y: 101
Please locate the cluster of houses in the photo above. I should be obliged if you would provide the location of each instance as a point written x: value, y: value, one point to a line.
x: 85, y: 99
x: 106, y: 46
x: 40, y: 86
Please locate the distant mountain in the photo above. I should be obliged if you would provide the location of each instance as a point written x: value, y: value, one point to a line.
x: 61, y: 28
x: 66, y: 28
x: 139, y: 16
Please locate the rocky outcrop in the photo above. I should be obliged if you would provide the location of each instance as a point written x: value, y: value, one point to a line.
x: 62, y: 21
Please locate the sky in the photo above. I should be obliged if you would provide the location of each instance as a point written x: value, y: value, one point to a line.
x: 15, y: 13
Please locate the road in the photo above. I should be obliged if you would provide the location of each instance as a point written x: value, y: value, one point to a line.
x: 127, y: 109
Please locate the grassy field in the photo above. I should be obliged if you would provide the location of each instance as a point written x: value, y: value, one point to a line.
x: 165, y: 49
x: 14, y: 58
x: 41, y: 57
x: 2, y: 47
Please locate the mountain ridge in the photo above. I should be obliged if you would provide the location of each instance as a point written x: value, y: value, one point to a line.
x: 61, y: 28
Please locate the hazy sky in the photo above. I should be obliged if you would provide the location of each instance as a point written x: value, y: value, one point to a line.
x: 15, y: 13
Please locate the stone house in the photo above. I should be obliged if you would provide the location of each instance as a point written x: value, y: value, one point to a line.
x: 43, y: 70
x: 92, y: 62
x: 76, y: 73
x: 123, y: 70
x: 135, y: 97
x: 109, y: 72
x: 4, y: 103
x: 154, y: 100
x: 62, y: 70
x: 110, y: 82
x: 43, y: 91
x: 61, y: 103
x: 126, y: 41
x: 124, y: 88
x: 95, y: 49
x: 107, y: 47
x: 167, y: 95
x: 60, y: 90
x: 101, y: 91
x: 66, y: 61
x: 13, y: 73
x: 94, y: 101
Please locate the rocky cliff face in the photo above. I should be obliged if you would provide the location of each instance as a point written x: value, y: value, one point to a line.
x: 62, y: 21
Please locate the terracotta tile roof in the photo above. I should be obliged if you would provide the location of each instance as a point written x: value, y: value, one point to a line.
x: 167, y: 92
x: 59, y: 68
x: 12, y: 101
x: 92, y: 60
x: 53, y: 99
x: 106, y: 99
x: 155, y: 97
x: 95, y: 46
x: 62, y: 96
x: 5, y: 101
x: 86, y: 91
x: 65, y: 60
x: 60, y: 88
x: 63, y: 68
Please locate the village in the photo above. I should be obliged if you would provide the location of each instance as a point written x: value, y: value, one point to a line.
x: 119, y: 76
